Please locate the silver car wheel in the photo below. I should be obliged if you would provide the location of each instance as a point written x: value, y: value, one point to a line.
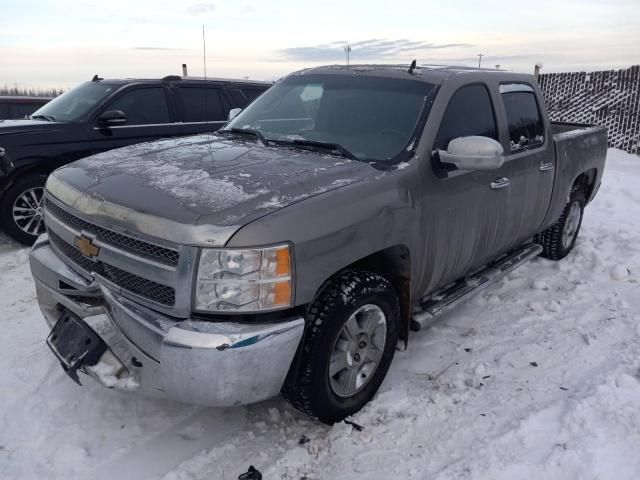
x: 28, y: 212
x: 571, y: 225
x: 357, y: 350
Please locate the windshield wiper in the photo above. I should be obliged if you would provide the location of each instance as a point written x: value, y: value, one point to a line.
x: 48, y: 118
x: 333, y: 147
x: 246, y: 131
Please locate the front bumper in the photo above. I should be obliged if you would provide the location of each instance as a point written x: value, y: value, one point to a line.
x: 194, y: 361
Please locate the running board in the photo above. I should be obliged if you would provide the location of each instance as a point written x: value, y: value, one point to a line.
x: 433, y: 306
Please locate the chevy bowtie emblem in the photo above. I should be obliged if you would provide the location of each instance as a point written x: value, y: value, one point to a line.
x: 86, y: 246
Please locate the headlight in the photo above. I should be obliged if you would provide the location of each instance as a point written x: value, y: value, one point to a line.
x: 251, y: 280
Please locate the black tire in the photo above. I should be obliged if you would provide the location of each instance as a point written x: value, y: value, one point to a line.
x: 18, y: 187
x: 308, y: 386
x: 552, y: 238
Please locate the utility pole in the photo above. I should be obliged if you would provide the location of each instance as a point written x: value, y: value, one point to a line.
x: 497, y: 66
x: 347, y: 51
x: 480, y: 55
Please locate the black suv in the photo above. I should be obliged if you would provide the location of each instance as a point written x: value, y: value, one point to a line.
x: 101, y: 115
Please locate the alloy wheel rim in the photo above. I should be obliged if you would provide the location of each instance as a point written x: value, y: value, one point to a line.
x: 571, y: 225
x: 28, y: 212
x: 357, y: 351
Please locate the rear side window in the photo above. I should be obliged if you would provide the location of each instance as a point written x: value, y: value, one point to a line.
x: 143, y: 106
x: 202, y: 104
x: 21, y: 110
x: 526, y: 129
x: 469, y: 113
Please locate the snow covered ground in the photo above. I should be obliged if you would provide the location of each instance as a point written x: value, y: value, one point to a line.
x: 537, y: 377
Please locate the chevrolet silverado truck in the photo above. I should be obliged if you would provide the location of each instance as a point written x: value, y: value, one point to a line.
x: 297, y: 248
x: 102, y: 115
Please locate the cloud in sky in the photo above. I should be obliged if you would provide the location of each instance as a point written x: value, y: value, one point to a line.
x: 146, y: 38
x: 371, y: 49
x: 200, y: 8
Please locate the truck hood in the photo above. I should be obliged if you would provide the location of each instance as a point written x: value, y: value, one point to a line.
x: 204, y: 180
x: 10, y: 127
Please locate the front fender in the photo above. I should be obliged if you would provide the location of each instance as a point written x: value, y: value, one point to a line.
x: 336, y: 229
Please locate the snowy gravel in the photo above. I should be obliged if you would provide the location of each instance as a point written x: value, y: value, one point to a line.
x: 537, y: 377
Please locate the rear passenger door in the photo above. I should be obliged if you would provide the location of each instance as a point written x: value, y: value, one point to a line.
x: 202, y: 108
x: 149, y: 117
x: 530, y: 158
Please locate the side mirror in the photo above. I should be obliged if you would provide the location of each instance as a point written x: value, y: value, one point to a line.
x: 112, y: 118
x: 473, y: 153
x: 233, y: 113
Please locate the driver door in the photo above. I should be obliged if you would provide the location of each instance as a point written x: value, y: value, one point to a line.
x: 465, y: 223
x: 149, y: 117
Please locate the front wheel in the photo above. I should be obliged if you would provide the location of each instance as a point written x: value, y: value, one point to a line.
x: 559, y: 239
x: 21, y: 209
x: 350, y: 340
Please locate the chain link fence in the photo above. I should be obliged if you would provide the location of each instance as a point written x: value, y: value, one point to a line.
x: 610, y: 98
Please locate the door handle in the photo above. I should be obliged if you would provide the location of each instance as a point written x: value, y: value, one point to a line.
x: 545, y: 167
x: 500, y: 183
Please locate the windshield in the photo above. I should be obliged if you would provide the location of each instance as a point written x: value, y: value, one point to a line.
x: 371, y: 118
x: 74, y: 104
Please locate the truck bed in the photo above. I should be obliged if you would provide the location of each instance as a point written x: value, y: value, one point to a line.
x: 579, y: 148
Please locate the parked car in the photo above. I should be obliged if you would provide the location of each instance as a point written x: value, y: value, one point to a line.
x: 102, y: 115
x: 20, y: 106
x: 294, y: 250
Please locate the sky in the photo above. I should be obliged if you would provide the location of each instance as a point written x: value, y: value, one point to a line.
x: 61, y: 43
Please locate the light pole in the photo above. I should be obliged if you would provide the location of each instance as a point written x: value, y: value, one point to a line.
x: 347, y: 51
x: 480, y: 55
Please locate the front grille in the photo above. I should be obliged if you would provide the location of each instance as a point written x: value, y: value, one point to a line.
x: 164, y: 255
x: 156, y: 292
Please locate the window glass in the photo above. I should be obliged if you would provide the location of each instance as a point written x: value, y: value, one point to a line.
x: 77, y: 102
x: 374, y: 118
x: 251, y: 94
x: 202, y: 104
x: 143, y: 106
x: 469, y: 113
x: 525, y: 124
x: 21, y: 110
x: 238, y: 97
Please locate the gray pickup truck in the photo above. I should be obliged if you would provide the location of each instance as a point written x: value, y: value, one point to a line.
x: 296, y: 249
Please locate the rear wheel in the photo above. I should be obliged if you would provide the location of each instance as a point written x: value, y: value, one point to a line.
x: 21, y: 209
x: 350, y: 340
x: 560, y: 238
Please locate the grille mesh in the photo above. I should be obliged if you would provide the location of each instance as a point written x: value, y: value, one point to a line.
x: 133, y: 283
x: 164, y: 255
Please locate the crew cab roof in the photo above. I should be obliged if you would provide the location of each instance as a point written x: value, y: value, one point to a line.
x: 433, y: 74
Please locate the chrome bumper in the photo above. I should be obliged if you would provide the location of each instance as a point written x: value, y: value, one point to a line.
x: 194, y: 361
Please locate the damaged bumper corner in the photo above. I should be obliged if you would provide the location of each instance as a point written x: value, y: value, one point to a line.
x: 194, y: 361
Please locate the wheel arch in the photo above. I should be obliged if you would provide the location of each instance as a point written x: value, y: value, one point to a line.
x: 394, y: 264
x: 33, y: 165
x: 587, y: 182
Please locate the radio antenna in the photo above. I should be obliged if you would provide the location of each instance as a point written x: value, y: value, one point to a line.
x: 204, y: 65
x: 204, y: 53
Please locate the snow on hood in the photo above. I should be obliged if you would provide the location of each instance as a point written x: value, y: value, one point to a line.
x: 209, y: 179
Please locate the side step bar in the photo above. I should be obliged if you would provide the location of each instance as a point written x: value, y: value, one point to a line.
x: 433, y: 306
